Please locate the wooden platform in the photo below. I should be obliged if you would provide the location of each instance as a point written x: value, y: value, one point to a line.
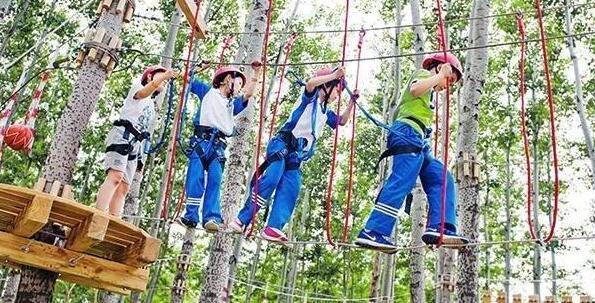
x: 188, y: 8
x: 99, y: 250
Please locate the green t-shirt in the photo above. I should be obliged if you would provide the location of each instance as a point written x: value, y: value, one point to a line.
x: 419, y: 108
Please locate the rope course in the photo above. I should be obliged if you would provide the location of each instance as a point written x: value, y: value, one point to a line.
x: 405, y: 55
x: 380, y: 28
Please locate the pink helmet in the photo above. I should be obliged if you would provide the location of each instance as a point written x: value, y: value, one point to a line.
x: 222, y: 72
x: 439, y: 58
x: 151, y: 70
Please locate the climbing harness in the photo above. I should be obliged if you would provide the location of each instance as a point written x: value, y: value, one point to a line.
x: 522, y: 91
x: 170, y: 104
x: 329, y: 190
x: 254, y: 193
x: 348, y: 203
x: 126, y: 149
x: 287, y: 51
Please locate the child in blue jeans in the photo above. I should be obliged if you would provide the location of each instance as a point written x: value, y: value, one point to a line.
x: 292, y: 145
x: 213, y: 123
x: 412, y: 158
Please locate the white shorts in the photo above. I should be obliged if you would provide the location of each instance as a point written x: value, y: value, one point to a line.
x: 116, y: 161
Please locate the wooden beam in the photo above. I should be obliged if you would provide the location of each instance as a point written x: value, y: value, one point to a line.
x: 93, y: 284
x: 145, y: 253
x: 88, y: 270
x: 88, y: 233
x: 34, y: 217
x: 188, y: 8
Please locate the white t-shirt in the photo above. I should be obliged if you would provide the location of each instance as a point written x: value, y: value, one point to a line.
x: 140, y: 112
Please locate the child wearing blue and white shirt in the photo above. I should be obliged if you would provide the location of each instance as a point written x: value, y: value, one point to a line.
x: 292, y: 145
x: 213, y: 123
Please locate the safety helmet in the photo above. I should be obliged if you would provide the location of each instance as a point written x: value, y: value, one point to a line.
x: 150, y: 71
x: 440, y: 58
x: 328, y: 71
x: 222, y: 72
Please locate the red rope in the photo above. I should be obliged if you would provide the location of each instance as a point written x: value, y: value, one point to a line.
x: 442, y: 42
x: 347, y: 212
x: 287, y: 51
x: 227, y: 41
x: 261, y: 115
x: 522, y: 90
x: 170, y: 166
x: 329, y: 190
x: 550, y: 99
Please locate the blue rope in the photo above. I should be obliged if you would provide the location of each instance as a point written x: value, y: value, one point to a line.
x: 170, y: 101
x: 184, y: 112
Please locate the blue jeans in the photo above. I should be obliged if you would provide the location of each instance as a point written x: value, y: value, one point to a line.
x: 209, y: 157
x: 405, y: 170
x: 283, y: 177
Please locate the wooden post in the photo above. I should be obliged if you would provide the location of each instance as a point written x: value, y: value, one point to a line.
x: 585, y: 299
x: 567, y: 299
x: 517, y: 298
x: 501, y: 297
x: 533, y: 299
x: 188, y: 8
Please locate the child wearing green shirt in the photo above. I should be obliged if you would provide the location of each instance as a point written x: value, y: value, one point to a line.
x: 410, y: 151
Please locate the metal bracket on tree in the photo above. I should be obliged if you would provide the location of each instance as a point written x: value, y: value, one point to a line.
x: 100, y: 46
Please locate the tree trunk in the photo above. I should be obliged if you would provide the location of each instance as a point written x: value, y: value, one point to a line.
x: 553, y: 245
x: 508, y: 229
x: 418, y: 205
x: 374, y: 283
x: 578, y: 91
x: 446, y: 276
x: 184, y: 260
x: 536, y: 247
x: 37, y: 285
x: 468, y: 188
x: 253, y: 267
x: 218, y: 266
x: 10, y: 287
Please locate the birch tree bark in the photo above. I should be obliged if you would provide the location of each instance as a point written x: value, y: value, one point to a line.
x: 37, y: 285
x: 578, y: 92
x: 418, y: 205
x: 468, y: 188
x: 217, y: 270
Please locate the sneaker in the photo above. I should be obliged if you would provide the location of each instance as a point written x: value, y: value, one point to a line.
x: 432, y: 235
x: 187, y: 223
x: 376, y: 241
x: 211, y: 226
x: 274, y: 235
x: 237, y: 227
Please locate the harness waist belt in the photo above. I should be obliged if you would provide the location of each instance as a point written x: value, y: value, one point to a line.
x: 205, y: 132
x: 291, y: 141
x: 424, y: 129
x: 131, y: 129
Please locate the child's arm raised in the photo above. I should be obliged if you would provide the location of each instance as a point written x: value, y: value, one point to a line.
x: 154, y: 84
x: 344, y: 118
x: 423, y: 86
x: 250, y: 86
x: 317, y: 81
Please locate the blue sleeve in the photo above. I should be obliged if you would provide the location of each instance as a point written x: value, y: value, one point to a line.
x: 308, y: 97
x: 239, y: 104
x: 199, y: 88
x: 331, y: 119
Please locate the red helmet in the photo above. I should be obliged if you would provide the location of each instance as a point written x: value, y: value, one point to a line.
x: 222, y: 72
x: 439, y: 58
x: 151, y: 70
x: 19, y: 137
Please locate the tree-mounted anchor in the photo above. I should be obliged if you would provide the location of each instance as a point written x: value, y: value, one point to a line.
x: 468, y: 166
x: 125, y: 8
x: 98, y: 45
